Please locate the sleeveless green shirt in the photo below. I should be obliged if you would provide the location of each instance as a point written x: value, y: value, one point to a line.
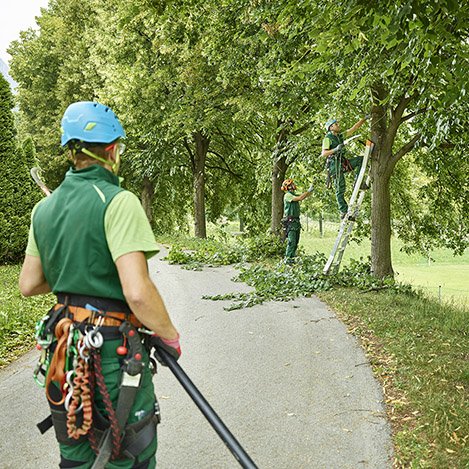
x: 333, y: 141
x: 69, y: 233
x: 290, y: 208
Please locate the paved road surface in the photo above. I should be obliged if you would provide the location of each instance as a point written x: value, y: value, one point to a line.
x: 289, y: 382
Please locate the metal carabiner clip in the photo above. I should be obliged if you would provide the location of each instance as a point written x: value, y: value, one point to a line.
x: 94, y: 339
x: 39, y: 370
x: 67, y: 400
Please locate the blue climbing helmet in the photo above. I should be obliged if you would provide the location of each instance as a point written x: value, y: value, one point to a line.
x: 329, y: 123
x: 90, y: 122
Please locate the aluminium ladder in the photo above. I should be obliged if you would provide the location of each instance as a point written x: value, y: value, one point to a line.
x: 346, y: 226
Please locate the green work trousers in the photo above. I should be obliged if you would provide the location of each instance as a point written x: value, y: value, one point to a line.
x: 338, y: 176
x: 293, y: 238
x: 144, y: 405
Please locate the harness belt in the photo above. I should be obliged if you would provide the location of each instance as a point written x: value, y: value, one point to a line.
x: 114, y: 312
x: 104, y: 304
x: 103, y: 318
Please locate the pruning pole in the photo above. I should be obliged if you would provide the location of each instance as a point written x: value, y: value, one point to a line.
x: 215, y: 421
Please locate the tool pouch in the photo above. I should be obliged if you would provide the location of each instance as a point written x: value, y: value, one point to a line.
x: 284, y: 223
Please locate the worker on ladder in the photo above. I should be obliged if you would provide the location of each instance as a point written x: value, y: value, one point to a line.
x: 333, y: 148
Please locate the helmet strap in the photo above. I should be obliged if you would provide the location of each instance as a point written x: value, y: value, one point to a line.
x: 113, y: 164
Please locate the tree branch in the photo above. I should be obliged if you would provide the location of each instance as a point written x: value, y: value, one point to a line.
x: 301, y: 129
x: 191, y: 154
x: 405, y: 149
x: 226, y: 170
x: 213, y: 152
x: 396, y: 115
x: 413, y: 114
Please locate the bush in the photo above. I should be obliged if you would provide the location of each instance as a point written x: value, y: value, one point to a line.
x: 211, y: 252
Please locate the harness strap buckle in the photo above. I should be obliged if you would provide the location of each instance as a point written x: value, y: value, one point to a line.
x: 130, y: 381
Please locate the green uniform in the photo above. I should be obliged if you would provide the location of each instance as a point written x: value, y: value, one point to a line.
x: 79, y: 231
x: 291, y: 212
x: 338, y: 165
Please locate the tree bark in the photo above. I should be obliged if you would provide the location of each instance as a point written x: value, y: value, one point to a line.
x: 384, y: 128
x: 148, y: 191
x: 201, y: 143
x: 381, y: 261
x: 279, y: 171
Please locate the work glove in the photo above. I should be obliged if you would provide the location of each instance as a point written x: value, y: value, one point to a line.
x: 171, y: 346
x: 338, y: 148
x: 311, y: 188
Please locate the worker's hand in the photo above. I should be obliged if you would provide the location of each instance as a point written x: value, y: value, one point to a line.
x: 338, y: 148
x: 311, y: 188
x: 171, y: 346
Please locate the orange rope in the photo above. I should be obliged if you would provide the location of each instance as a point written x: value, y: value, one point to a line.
x: 81, y: 395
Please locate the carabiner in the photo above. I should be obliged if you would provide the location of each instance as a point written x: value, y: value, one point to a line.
x: 94, y: 339
x: 39, y: 369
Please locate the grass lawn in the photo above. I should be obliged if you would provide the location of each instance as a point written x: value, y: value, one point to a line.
x: 419, y: 351
x: 444, y: 275
x: 18, y: 315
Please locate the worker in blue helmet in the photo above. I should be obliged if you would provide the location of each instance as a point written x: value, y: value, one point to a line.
x: 337, y: 163
x: 89, y: 125
x: 89, y: 243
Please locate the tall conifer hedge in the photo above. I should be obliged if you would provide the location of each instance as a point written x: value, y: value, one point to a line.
x: 17, y: 194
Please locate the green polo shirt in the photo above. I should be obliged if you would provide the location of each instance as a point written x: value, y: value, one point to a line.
x: 125, y: 224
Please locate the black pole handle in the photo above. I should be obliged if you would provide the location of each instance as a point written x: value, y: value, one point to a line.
x: 215, y: 421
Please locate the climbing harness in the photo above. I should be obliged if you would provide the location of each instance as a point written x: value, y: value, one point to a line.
x: 70, y: 338
x: 286, y: 224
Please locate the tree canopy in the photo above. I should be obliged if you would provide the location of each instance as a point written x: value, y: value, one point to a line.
x: 223, y: 99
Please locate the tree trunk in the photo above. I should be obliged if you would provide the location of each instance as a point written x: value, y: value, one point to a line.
x: 198, y: 174
x: 148, y: 191
x: 381, y: 169
x: 381, y: 262
x: 279, y: 171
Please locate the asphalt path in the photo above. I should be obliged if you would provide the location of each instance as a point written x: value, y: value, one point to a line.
x: 290, y: 383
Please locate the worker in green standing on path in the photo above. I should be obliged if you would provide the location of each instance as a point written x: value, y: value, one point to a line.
x: 291, y: 216
x: 333, y: 148
x: 89, y: 243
